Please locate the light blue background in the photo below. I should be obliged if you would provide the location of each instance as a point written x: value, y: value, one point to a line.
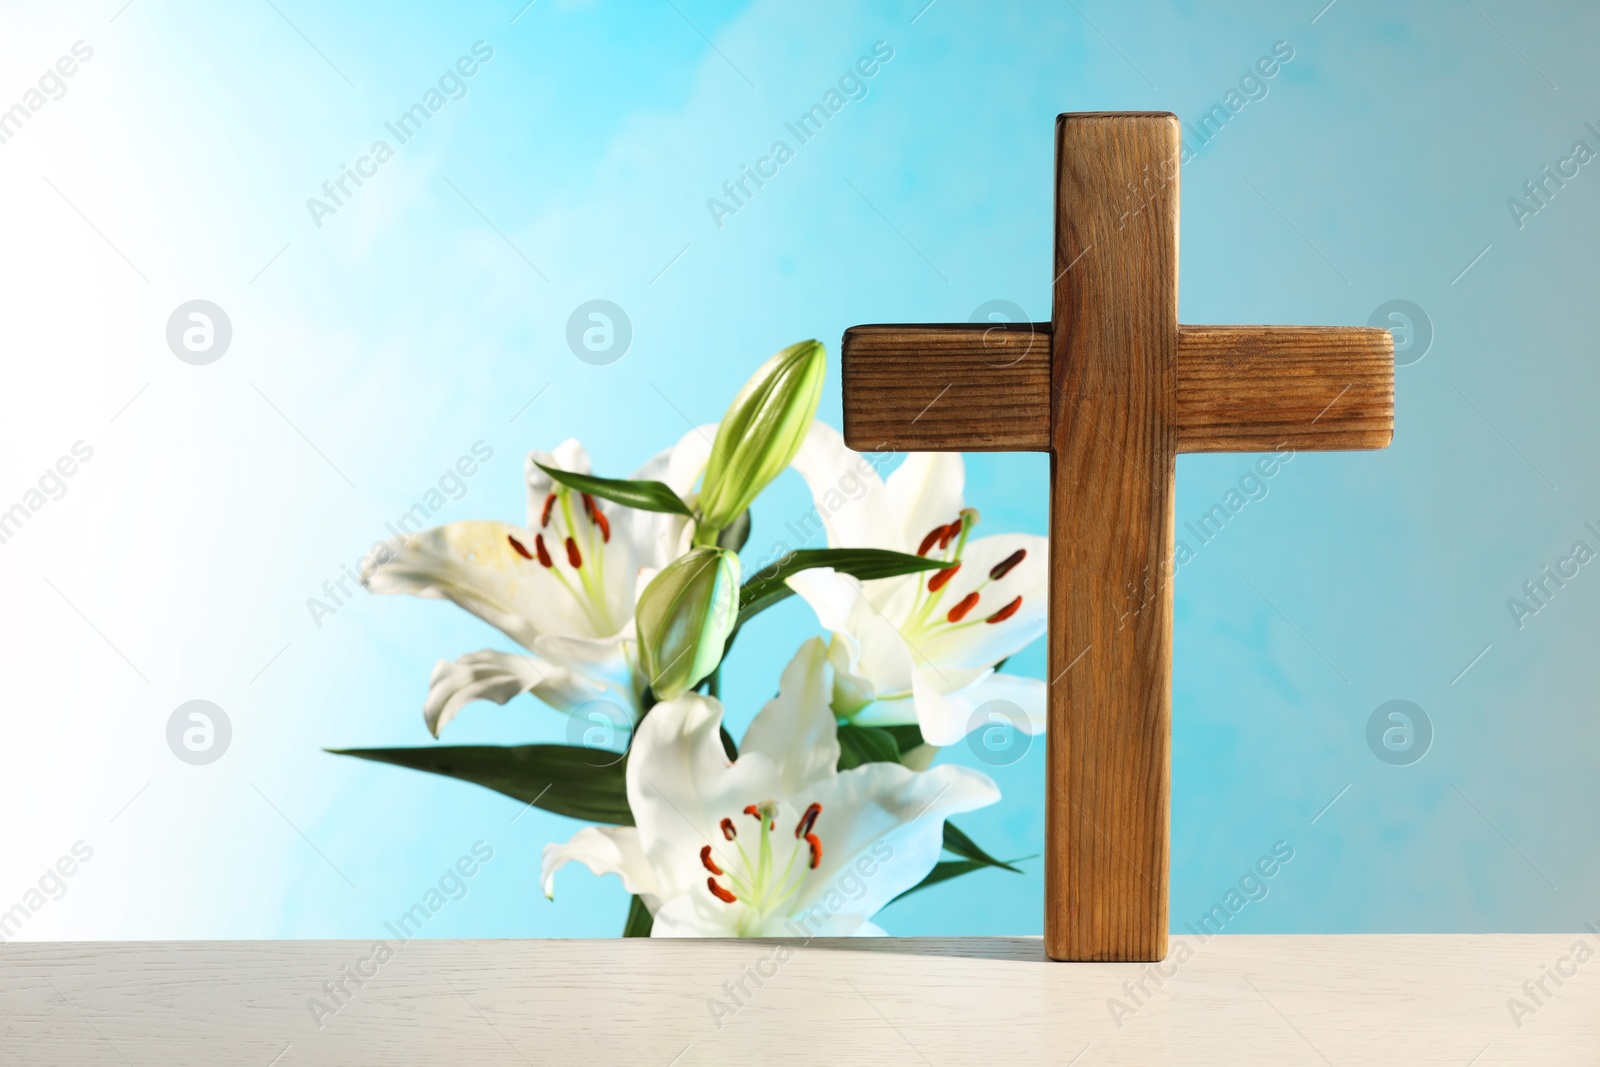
x: 407, y: 327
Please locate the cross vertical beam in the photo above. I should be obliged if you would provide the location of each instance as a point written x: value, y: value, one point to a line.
x: 1114, y: 356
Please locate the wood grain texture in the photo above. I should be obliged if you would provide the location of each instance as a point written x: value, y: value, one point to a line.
x: 1266, y: 388
x: 1234, y: 999
x: 1114, y: 357
x: 1240, y: 388
x: 982, y: 387
x: 1124, y: 389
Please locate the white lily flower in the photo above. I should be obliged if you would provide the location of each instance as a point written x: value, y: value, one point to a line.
x: 563, y: 586
x: 921, y: 648
x: 778, y: 842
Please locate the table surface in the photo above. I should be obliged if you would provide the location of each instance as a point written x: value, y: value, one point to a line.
x: 1412, y: 999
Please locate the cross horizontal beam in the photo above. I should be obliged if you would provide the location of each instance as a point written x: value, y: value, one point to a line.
x: 985, y: 387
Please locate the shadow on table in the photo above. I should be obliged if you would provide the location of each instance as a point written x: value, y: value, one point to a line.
x: 1016, y: 949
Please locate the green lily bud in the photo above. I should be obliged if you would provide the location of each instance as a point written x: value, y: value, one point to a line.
x: 760, y: 434
x: 684, y: 617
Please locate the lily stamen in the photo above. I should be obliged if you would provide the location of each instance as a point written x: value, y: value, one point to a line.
x: 597, y: 518
x: 956, y: 614
x: 757, y: 882
x: 1006, y: 612
x: 522, y: 550
x: 959, y: 612
x: 929, y: 594
x: 808, y: 820
x: 939, y: 579
x: 1005, y: 566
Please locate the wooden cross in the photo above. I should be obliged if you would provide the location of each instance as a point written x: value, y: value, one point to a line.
x: 1114, y: 388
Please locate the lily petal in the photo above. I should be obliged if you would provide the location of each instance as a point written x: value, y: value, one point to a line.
x: 844, y: 605
x: 946, y: 718
x: 698, y: 915
x: 487, y: 675
x: 925, y: 492
x: 603, y: 666
x: 850, y: 497
x: 475, y: 565
x: 891, y: 817
x: 796, y: 729
x: 943, y: 720
x: 831, y: 594
x: 686, y: 460
x: 604, y: 850
x: 680, y: 786
x: 569, y: 455
x: 852, y: 691
x: 659, y: 537
x: 1028, y: 694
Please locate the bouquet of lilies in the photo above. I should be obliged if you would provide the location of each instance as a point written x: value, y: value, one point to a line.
x: 626, y: 595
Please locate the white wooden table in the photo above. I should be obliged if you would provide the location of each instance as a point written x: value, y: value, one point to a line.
x: 1271, y: 1000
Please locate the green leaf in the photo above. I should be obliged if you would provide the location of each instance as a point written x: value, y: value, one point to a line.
x: 571, y: 780
x: 767, y: 587
x: 865, y: 744
x: 644, y: 495
x: 943, y: 871
x: 907, y: 737
x: 959, y: 843
x: 639, y: 920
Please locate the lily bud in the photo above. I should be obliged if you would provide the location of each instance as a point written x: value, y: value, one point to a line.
x: 684, y: 617
x: 761, y: 433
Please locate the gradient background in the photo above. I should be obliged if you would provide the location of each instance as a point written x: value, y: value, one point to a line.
x: 370, y: 353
